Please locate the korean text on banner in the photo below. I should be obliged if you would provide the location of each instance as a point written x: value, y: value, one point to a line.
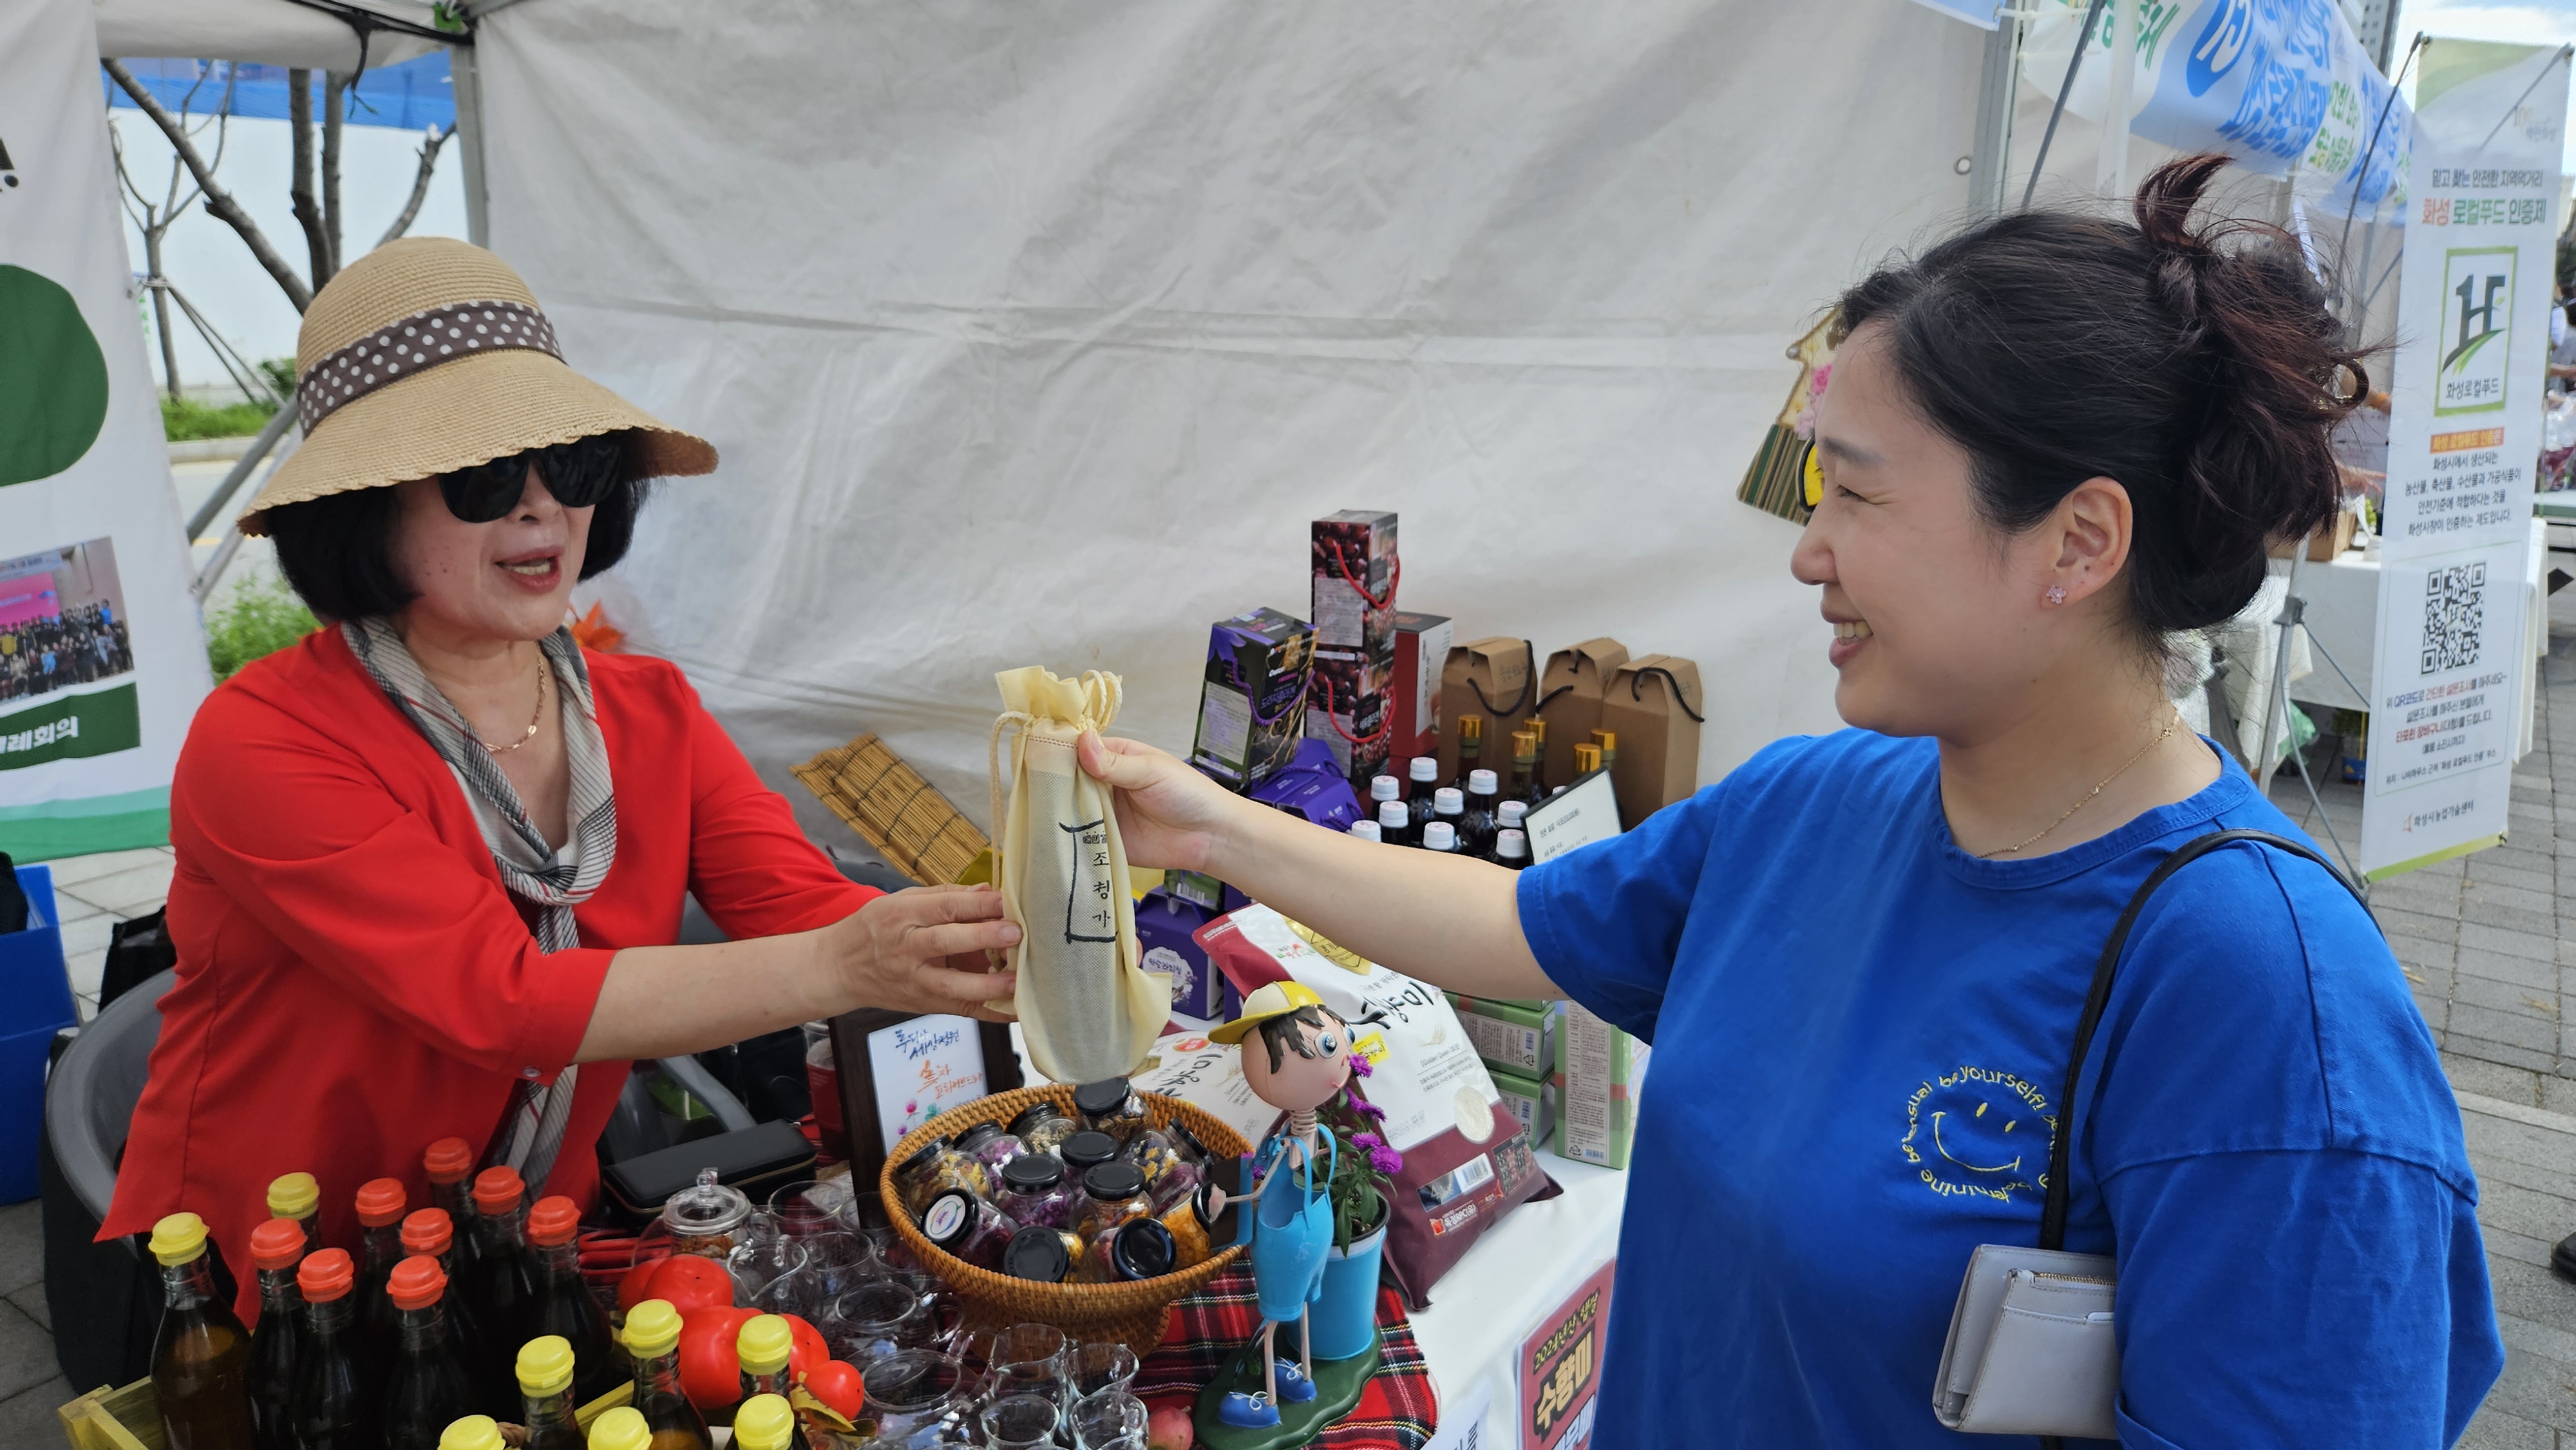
x: 2464, y: 432
x: 102, y: 660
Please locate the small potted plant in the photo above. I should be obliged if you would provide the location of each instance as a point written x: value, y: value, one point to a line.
x: 1345, y: 1320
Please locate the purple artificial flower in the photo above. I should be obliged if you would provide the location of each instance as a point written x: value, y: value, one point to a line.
x: 1360, y: 1065
x: 1367, y: 1109
x: 1386, y: 1161
x: 1367, y: 1140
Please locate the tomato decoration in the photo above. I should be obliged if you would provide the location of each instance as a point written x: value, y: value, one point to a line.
x: 710, y: 1366
x: 636, y: 1286
x: 837, y: 1384
x: 690, y: 1282
x: 808, y: 1348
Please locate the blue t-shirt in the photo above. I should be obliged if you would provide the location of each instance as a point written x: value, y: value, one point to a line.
x: 1860, y: 1035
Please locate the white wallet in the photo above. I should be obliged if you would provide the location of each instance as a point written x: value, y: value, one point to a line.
x: 2031, y: 1349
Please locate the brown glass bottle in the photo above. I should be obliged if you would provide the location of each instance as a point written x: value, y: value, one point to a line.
x: 335, y: 1405
x: 276, y: 1247
x: 653, y: 1342
x: 563, y: 1305
x: 1471, y: 748
x: 500, y: 1292
x: 428, y: 1232
x: 201, y: 1353
x: 381, y: 1204
x: 1524, y: 767
x: 449, y: 1167
x: 428, y: 1390
x: 545, y: 1372
x: 1538, y: 767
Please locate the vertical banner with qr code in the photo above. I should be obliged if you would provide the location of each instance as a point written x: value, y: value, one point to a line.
x: 1560, y: 1366
x: 102, y: 658
x: 2455, y: 582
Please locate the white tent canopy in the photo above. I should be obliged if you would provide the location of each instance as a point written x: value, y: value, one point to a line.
x: 1035, y: 336
x: 269, y: 32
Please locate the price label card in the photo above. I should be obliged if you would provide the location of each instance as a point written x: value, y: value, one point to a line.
x: 1588, y: 811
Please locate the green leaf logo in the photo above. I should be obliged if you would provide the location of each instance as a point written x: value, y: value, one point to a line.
x: 53, y: 379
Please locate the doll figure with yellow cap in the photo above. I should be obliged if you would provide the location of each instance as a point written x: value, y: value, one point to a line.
x: 1296, y: 1057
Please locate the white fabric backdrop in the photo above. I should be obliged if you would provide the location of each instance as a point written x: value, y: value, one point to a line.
x: 1036, y: 336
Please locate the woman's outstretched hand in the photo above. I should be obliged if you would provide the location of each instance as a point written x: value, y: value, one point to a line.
x: 1168, y: 814
x: 922, y: 951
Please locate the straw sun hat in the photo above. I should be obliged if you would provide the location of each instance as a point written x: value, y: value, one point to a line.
x: 428, y: 355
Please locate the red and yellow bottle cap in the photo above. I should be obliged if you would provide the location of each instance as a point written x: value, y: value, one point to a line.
x: 417, y: 1282
x: 622, y: 1428
x: 652, y: 1327
x: 381, y: 1202
x: 498, y: 1190
x: 474, y: 1432
x: 325, y: 1275
x: 427, y: 1231
x: 179, y: 1238
x: 448, y: 1160
x: 294, y: 1195
x: 763, y: 1344
x: 545, y: 1366
x: 276, y: 1244
x: 763, y: 1423
x: 553, y: 1221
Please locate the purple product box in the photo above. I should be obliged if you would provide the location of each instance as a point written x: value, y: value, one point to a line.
x: 1313, y: 788
x: 1258, y: 672
x: 1164, y: 923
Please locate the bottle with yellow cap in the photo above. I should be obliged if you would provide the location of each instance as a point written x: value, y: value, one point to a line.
x: 563, y: 1304
x: 652, y: 1340
x: 763, y: 1345
x: 429, y: 1389
x: 1538, y: 768
x: 201, y: 1353
x: 624, y: 1428
x: 276, y: 1247
x: 298, y: 1196
x: 545, y: 1393
x: 476, y: 1432
x: 1608, y: 740
x: 767, y: 1422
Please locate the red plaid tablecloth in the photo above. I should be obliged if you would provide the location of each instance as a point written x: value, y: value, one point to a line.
x: 1398, y: 1410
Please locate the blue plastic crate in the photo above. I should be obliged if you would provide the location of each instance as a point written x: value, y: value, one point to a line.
x: 35, y: 1003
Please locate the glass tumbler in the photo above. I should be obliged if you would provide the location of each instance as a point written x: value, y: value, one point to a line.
x: 1021, y: 1422
x: 1102, y: 1420
x: 912, y: 1393
x: 1095, y: 1369
x: 1029, y: 1359
x: 840, y: 1261
x: 812, y: 1206
x: 878, y: 1319
x: 760, y: 1263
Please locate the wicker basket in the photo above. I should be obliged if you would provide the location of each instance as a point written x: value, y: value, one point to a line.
x: 1133, y: 1314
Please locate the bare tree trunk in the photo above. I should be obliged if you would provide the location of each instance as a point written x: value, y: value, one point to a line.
x: 161, y: 308
x: 419, y: 184
x: 219, y: 202
x: 335, y: 100
x: 308, y: 212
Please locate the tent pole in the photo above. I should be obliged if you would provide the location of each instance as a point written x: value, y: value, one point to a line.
x: 1997, y: 90
x: 466, y: 83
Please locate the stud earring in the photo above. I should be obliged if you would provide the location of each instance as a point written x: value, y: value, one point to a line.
x: 2057, y: 594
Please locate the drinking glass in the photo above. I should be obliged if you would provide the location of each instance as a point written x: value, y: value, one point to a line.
x: 1029, y: 1359
x: 1102, y: 1420
x: 911, y: 1392
x: 840, y: 1261
x: 812, y: 1206
x: 761, y: 1262
x: 1098, y: 1368
x: 1021, y: 1422
x: 875, y: 1320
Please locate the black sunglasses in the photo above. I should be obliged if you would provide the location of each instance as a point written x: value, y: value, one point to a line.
x: 579, y: 474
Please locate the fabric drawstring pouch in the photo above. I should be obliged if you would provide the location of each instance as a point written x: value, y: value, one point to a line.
x: 1086, y: 1006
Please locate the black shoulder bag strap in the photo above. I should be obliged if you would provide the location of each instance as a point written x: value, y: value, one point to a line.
x: 2061, y: 1148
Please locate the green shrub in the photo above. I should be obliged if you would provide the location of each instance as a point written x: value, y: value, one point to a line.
x: 263, y: 617
x: 184, y: 418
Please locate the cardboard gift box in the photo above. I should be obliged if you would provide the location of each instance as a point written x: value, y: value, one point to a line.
x: 1493, y: 678
x: 1356, y: 725
x: 1165, y: 929
x: 1258, y: 668
x: 1599, y: 1072
x: 1655, y: 707
x: 1532, y: 1100
x: 1569, y: 699
x: 1510, y: 1034
x: 1421, y: 652
x: 1353, y: 563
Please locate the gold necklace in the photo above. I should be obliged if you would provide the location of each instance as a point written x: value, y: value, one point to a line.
x: 2170, y: 720
x: 491, y: 749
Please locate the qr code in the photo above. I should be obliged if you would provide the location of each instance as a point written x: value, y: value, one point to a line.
x: 2454, y: 617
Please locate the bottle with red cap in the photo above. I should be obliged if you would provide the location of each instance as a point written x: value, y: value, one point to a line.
x: 449, y: 1166
x: 201, y: 1353
x: 428, y: 1388
x: 276, y: 1247
x: 428, y: 1233
x: 499, y: 1289
x: 334, y: 1405
x: 381, y: 1205
x: 563, y: 1302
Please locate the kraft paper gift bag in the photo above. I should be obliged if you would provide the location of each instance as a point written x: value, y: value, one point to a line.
x: 1569, y: 699
x: 1085, y: 1004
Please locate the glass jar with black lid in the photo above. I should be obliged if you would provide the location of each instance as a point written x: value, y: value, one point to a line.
x: 1111, y: 1106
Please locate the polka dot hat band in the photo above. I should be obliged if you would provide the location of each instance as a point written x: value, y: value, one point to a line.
x: 420, y: 341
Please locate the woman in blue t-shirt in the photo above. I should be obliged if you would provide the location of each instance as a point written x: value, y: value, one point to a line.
x: 2048, y: 445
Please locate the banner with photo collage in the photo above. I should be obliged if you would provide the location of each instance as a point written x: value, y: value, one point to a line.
x: 102, y: 655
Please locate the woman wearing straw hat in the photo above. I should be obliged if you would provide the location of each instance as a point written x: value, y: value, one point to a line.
x: 430, y: 860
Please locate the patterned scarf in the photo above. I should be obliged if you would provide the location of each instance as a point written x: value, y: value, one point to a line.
x: 532, y: 1130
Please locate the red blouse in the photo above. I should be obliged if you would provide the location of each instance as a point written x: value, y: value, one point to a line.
x: 355, y: 983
